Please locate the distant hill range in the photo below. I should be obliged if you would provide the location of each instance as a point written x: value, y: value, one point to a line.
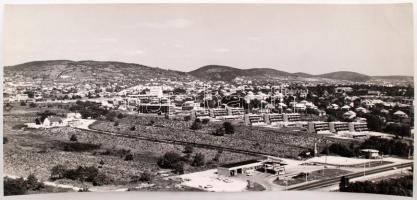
x: 226, y: 73
x: 102, y: 71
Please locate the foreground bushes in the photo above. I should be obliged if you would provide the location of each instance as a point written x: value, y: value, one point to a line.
x: 400, y: 186
x: 87, y: 174
x: 20, y: 186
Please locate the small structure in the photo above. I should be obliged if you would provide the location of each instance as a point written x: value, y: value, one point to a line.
x: 370, y: 153
x: 52, y: 121
x: 234, y: 169
x: 400, y: 114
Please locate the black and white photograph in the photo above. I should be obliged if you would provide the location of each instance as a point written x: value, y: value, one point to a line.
x: 206, y: 97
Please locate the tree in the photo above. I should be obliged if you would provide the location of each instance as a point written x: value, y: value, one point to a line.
x: 344, y: 183
x: 228, y: 128
x: 198, y: 160
x: 58, y: 172
x: 188, y: 149
x: 205, y: 121
x: 22, y: 103
x: 110, y: 116
x: 133, y: 128
x: 169, y: 160
x: 73, y: 138
x: 128, y: 157
x: 116, y: 123
x: 146, y: 176
x: 120, y: 116
x: 14, y: 186
x: 196, y: 125
x: 31, y: 182
x: 178, y: 167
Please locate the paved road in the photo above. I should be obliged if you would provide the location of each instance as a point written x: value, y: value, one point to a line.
x: 336, y: 180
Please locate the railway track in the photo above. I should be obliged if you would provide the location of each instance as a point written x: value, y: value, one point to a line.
x: 336, y: 180
x: 178, y: 142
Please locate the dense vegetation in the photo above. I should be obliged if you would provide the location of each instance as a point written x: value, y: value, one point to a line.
x: 21, y: 186
x: 385, y: 146
x: 400, y: 186
x: 87, y: 174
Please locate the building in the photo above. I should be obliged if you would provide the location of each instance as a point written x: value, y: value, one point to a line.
x: 370, y: 153
x: 358, y: 126
x: 235, y: 111
x: 336, y: 127
x: 273, y: 118
x: 254, y: 120
x: 218, y: 113
x: 53, y: 121
x: 292, y: 117
x: 318, y: 127
x: 269, y: 165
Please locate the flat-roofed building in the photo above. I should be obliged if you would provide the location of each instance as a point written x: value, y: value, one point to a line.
x: 273, y: 118
x: 292, y: 117
x: 335, y: 127
x: 358, y: 126
x: 318, y: 127
x: 254, y: 120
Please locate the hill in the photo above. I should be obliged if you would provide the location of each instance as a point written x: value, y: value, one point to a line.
x: 346, y: 75
x: 93, y: 71
x: 226, y: 73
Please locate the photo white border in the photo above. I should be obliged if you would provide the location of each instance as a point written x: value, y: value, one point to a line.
x: 305, y: 195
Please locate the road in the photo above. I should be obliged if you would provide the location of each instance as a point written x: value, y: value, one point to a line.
x: 336, y: 180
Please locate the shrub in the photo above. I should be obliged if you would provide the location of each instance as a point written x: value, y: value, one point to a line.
x: 196, y: 125
x: 128, y: 157
x: 101, y: 179
x: 187, y: 118
x: 188, y: 149
x: 14, y: 186
x: 110, y: 116
x: 22, y: 103
x: 33, y: 105
x: 228, y: 128
x: 169, y: 160
x: 116, y: 123
x: 73, y: 138
x: 198, y: 160
x: 146, y: 176
x: 31, y: 182
x: 133, y: 128
x: 5, y: 140
x: 79, y: 147
x: 178, y: 167
x: 120, y: 116
x: 205, y: 121
x: 101, y: 162
x: 58, y: 172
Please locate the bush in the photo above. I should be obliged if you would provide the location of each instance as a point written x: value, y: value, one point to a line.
x: 116, y: 123
x: 120, y: 116
x: 101, y: 179
x: 219, y: 132
x: 188, y: 149
x: 14, y: 186
x: 205, y: 121
x: 58, y: 172
x: 110, y: 116
x: 146, y: 176
x: 169, y: 160
x: 133, y: 128
x: 32, y: 182
x: 5, y: 140
x: 198, y: 160
x: 178, y: 167
x: 340, y: 149
x: 73, y: 138
x: 196, y: 125
x: 79, y: 147
x: 228, y: 128
x: 187, y: 118
x: 22, y: 103
x: 128, y: 157
x: 33, y: 105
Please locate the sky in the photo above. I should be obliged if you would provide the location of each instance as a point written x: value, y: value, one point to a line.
x: 315, y: 39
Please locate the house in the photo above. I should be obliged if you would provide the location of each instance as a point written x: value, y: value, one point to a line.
x: 400, y: 114
x: 370, y: 153
x: 52, y: 121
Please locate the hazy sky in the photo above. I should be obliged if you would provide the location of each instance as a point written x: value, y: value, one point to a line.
x: 370, y: 39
